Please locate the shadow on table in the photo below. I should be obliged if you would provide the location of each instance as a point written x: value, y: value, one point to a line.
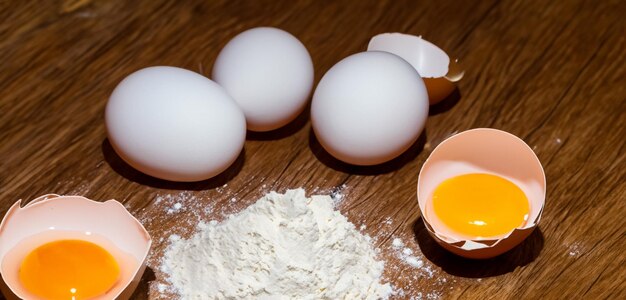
x: 128, y: 172
x: 446, y: 104
x: 284, y: 131
x: 521, y: 255
x: 143, y: 289
x: 322, y: 155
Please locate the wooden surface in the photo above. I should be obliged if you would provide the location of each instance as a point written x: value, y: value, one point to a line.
x: 551, y: 72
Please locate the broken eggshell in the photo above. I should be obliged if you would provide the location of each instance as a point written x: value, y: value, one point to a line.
x: 74, y: 213
x: 482, y: 150
x: 440, y: 74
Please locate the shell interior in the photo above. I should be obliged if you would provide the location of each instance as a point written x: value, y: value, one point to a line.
x: 428, y: 59
x: 74, y: 213
x: 482, y: 150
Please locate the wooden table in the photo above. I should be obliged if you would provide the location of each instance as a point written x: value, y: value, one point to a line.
x: 550, y: 72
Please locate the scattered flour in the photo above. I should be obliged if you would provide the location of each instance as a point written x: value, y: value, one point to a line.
x: 175, y: 208
x: 285, y: 246
x: 409, y: 257
x: 337, y: 195
x: 575, y: 250
x: 406, y: 254
x: 422, y: 280
x: 397, y: 243
x: 414, y: 261
x: 175, y: 202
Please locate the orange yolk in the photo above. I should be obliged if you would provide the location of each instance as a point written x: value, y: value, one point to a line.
x: 480, y: 205
x: 69, y: 270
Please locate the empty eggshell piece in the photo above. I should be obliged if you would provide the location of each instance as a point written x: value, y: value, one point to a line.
x: 269, y: 73
x: 369, y: 108
x: 53, y: 214
x: 174, y: 124
x: 482, y: 150
x: 434, y: 66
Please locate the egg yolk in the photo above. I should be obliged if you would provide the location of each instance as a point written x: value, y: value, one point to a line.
x: 69, y: 270
x: 480, y: 205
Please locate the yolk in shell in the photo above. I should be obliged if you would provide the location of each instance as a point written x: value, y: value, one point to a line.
x: 69, y: 270
x: 480, y: 205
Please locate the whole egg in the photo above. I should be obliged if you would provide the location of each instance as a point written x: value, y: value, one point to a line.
x: 174, y: 124
x: 369, y: 108
x: 269, y: 73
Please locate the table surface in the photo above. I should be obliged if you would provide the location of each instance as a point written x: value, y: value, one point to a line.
x: 550, y: 72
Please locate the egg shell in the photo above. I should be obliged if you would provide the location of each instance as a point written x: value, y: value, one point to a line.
x: 482, y: 150
x: 433, y: 64
x: 75, y: 213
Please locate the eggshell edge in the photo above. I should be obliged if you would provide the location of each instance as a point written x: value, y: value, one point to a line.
x: 127, y: 292
x: 440, y: 83
x: 482, y: 249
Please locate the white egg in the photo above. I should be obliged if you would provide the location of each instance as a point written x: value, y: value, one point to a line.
x: 174, y: 124
x: 369, y: 108
x: 269, y: 73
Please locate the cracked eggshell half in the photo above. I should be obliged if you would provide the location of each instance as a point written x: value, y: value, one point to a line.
x: 439, y: 72
x: 52, y: 217
x: 482, y: 150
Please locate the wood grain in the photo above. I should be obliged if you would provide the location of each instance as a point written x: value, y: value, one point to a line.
x: 551, y: 72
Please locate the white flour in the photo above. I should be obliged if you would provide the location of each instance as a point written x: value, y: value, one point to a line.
x: 282, y: 247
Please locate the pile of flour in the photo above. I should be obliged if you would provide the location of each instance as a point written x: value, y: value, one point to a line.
x: 285, y: 246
